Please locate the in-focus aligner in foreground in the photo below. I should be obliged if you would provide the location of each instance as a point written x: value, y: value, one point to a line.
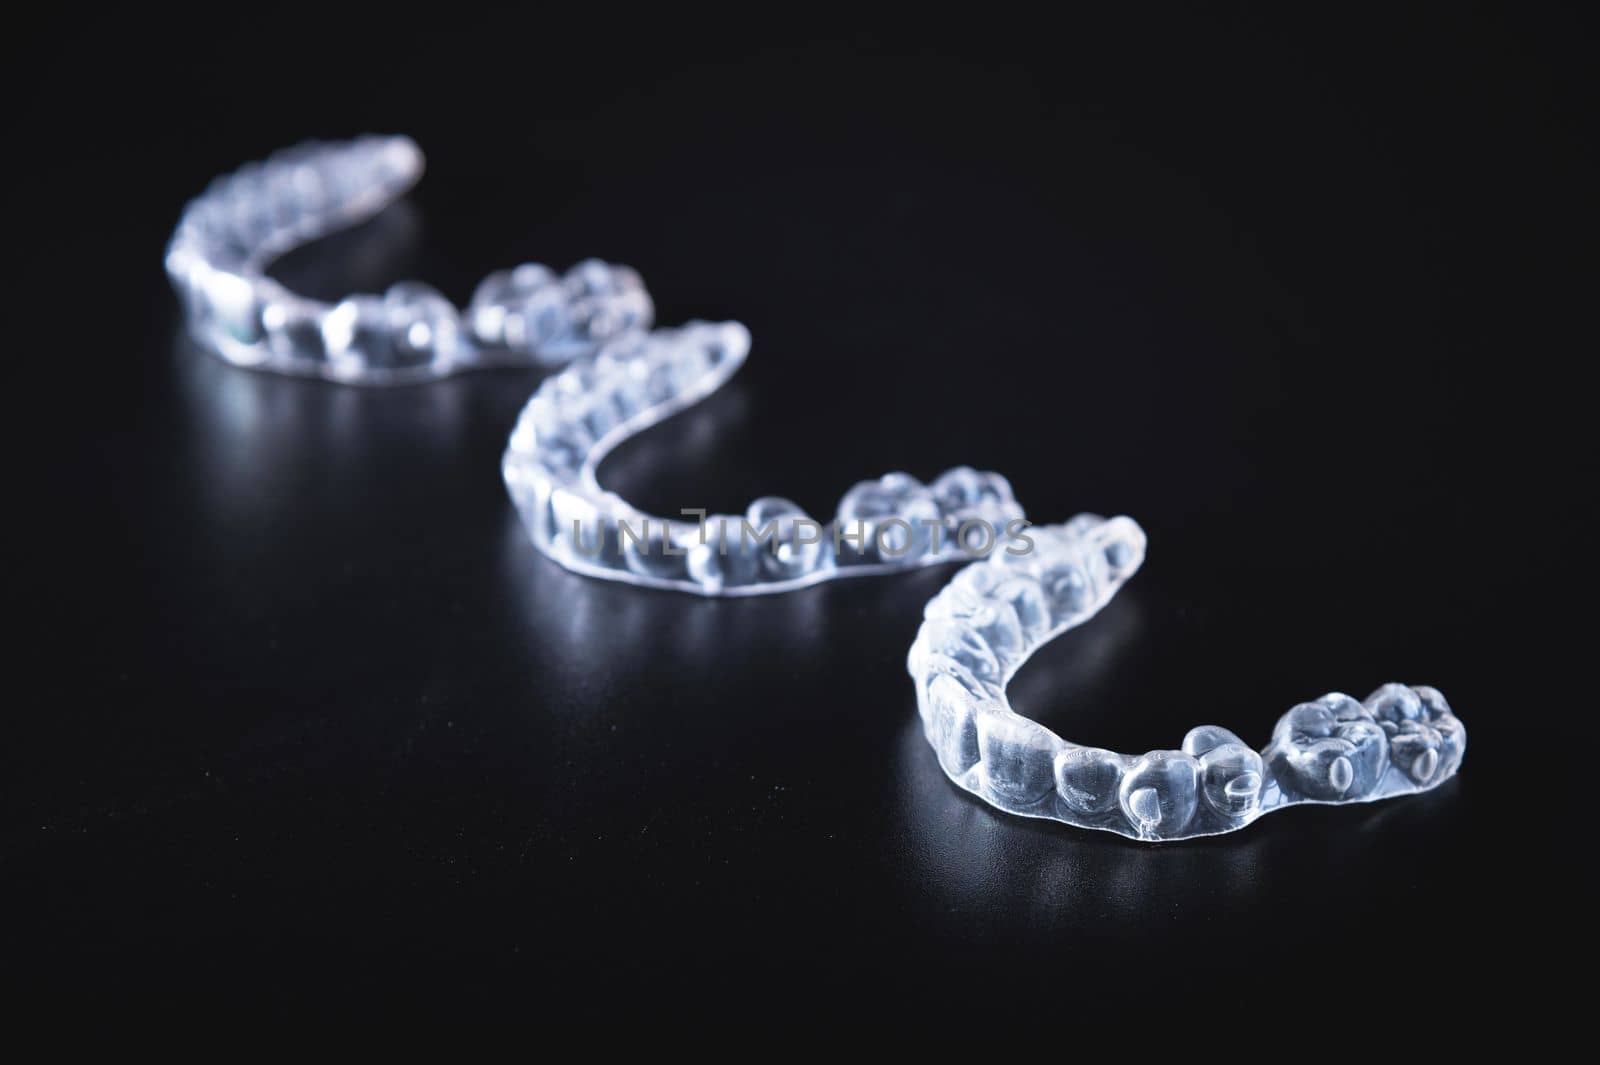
x: 980, y: 628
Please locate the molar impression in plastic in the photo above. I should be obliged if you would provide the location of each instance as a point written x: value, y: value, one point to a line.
x: 981, y: 627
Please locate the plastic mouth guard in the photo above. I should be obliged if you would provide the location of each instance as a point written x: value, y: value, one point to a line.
x: 230, y: 233
x: 578, y: 415
x: 980, y: 629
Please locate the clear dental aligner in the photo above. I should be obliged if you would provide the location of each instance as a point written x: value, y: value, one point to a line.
x: 578, y: 415
x: 229, y: 235
x: 993, y: 614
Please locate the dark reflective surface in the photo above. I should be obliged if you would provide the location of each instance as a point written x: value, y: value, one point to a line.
x: 317, y: 715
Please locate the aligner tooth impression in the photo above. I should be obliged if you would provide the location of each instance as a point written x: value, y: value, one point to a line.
x: 1335, y: 749
x: 230, y: 234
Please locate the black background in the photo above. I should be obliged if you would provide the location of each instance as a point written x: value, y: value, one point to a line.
x: 307, y: 714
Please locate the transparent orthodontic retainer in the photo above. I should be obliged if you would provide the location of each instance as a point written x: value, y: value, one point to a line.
x: 229, y: 234
x: 980, y: 629
x: 577, y: 416
x: 620, y: 378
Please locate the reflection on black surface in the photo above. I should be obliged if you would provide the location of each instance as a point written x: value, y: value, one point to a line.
x: 624, y: 630
x: 269, y: 445
x: 976, y: 859
x: 266, y: 438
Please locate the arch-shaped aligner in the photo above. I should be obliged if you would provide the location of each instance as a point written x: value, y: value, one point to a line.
x: 981, y: 627
x: 230, y: 233
x: 578, y: 415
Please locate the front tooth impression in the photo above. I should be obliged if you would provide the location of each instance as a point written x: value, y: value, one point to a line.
x: 993, y: 620
x: 1027, y: 600
x: 1087, y: 779
x: 950, y: 721
x: 1066, y: 587
x: 979, y: 629
x: 1018, y: 757
x: 958, y: 643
